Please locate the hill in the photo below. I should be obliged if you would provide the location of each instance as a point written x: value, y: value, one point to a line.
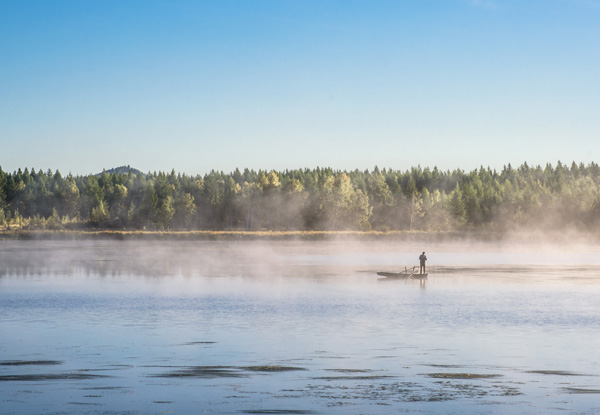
x: 123, y: 170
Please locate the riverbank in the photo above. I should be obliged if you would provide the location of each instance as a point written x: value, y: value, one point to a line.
x: 227, y: 235
x: 558, y: 237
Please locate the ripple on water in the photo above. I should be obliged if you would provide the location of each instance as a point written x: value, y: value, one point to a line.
x: 209, y: 372
x: 463, y: 375
x: 30, y: 362
x: 581, y: 390
x: 556, y: 372
x: 50, y: 376
x: 277, y: 411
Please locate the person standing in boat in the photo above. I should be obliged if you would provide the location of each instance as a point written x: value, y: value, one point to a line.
x: 422, y: 259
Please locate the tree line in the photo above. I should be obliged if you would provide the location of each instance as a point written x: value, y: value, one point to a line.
x: 557, y: 197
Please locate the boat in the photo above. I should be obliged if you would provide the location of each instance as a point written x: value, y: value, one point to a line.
x: 403, y: 275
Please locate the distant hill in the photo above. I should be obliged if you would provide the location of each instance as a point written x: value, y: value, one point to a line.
x: 123, y: 170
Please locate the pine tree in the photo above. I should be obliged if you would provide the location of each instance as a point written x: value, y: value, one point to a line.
x: 457, y: 206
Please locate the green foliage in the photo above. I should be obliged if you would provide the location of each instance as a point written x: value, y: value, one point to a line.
x: 99, y: 215
x: 564, y: 196
x: 458, y: 206
x: 54, y: 222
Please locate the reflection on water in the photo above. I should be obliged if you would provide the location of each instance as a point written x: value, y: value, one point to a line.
x: 289, y: 328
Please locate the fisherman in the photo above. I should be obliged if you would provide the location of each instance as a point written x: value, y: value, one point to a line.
x: 422, y: 259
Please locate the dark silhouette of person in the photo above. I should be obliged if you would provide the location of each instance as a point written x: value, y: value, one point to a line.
x: 422, y: 259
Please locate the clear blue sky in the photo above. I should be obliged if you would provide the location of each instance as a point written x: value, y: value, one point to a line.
x: 201, y: 85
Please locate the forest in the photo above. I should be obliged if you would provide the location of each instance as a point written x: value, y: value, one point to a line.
x: 525, y: 198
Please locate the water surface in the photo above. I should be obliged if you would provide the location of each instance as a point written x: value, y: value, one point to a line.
x: 128, y: 327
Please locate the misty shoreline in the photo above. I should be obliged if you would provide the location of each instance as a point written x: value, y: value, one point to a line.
x: 558, y: 237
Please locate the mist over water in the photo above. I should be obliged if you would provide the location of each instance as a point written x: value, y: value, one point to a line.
x: 297, y: 327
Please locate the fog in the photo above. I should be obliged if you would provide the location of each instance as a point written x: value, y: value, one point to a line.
x: 281, y: 260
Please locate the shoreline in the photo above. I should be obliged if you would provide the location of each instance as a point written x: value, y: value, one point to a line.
x: 233, y: 235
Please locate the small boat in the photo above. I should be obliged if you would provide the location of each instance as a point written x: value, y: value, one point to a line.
x: 403, y: 275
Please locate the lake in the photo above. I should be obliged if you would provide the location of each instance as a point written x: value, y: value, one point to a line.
x: 137, y: 327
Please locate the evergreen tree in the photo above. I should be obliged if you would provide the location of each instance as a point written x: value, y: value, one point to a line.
x: 99, y: 215
x: 457, y: 206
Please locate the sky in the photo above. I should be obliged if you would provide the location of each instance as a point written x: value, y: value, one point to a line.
x: 281, y: 84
